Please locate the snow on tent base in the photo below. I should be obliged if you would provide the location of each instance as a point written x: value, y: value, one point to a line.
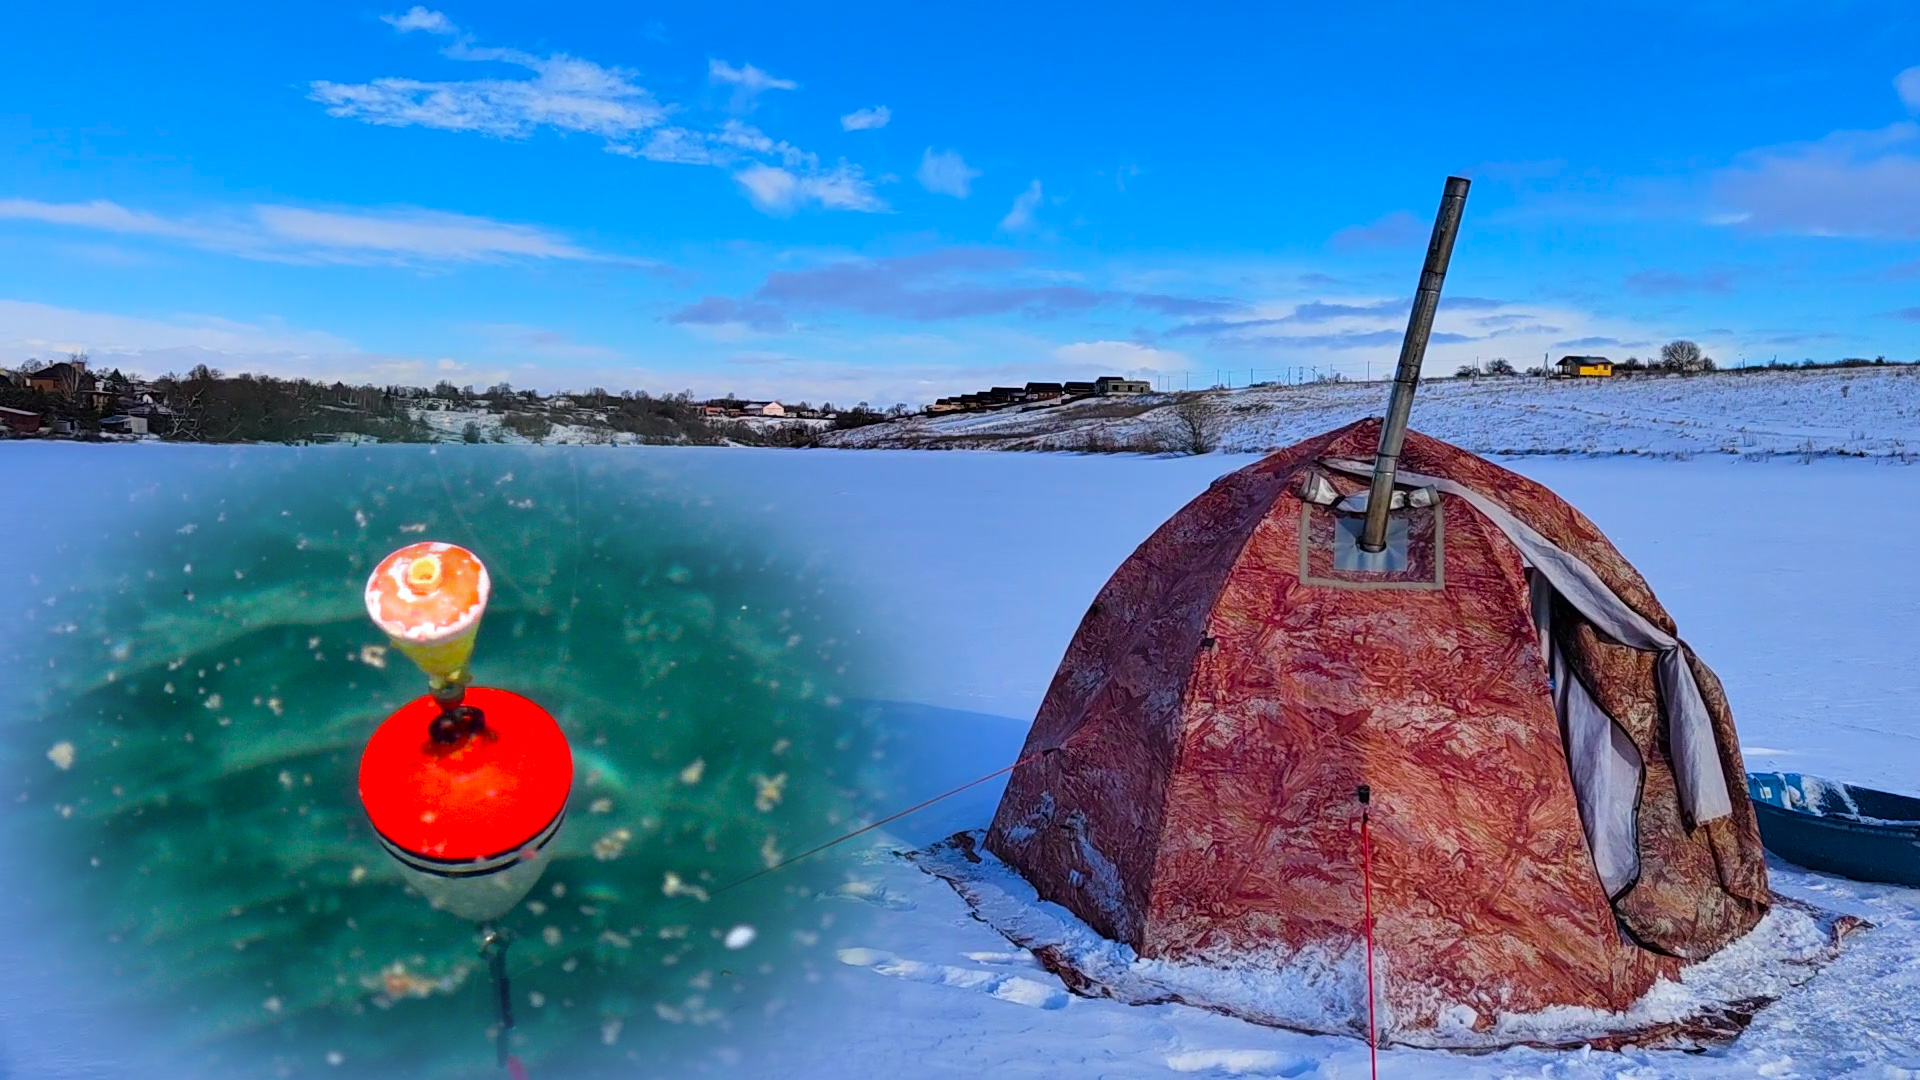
x: 1555, y: 822
x: 1705, y: 1004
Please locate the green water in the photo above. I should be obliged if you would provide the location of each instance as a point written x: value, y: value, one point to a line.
x: 213, y: 672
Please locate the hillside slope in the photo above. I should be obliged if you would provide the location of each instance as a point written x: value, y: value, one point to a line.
x: 1871, y: 412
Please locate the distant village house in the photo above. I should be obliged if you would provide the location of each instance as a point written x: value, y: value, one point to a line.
x: 1589, y: 367
x: 20, y: 421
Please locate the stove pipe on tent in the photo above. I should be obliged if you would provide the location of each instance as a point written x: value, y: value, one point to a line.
x: 1550, y: 767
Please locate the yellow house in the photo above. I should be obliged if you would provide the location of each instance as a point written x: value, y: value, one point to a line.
x: 1590, y: 367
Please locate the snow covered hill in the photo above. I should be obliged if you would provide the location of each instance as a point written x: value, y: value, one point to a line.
x: 1865, y: 412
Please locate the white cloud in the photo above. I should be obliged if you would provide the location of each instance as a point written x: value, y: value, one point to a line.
x: 156, y: 346
x: 1121, y: 357
x: 749, y: 82
x: 868, y: 119
x: 419, y: 18
x: 571, y: 95
x: 566, y: 94
x: 945, y: 173
x: 672, y: 145
x: 1908, y: 85
x: 1851, y: 183
x: 417, y: 233
x: 1022, y: 217
x: 1397, y: 229
x: 1360, y: 335
x: 290, y: 233
x: 780, y: 191
x: 101, y: 215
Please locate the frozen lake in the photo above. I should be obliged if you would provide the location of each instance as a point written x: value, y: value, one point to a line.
x: 972, y: 570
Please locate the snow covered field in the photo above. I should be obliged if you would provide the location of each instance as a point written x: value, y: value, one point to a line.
x: 1870, y: 411
x: 1790, y: 579
x: 982, y: 564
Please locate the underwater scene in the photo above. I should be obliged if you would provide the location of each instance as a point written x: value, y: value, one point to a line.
x: 195, y: 678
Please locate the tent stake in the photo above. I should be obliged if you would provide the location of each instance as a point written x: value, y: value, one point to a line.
x: 1413, y: 351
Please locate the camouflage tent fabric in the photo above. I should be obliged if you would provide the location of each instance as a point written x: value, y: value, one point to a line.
x: 1192, y: 788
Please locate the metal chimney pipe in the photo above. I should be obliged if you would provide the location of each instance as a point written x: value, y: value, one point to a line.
x: 1413, y: 350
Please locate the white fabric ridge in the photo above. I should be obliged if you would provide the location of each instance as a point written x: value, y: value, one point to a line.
x: 1696, y: 754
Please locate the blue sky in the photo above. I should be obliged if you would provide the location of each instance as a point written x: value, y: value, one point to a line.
x: 895, y: 202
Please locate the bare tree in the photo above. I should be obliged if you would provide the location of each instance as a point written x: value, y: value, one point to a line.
x: 1684, y: 357
x: 1499, y: 367
x: 1197, y: 422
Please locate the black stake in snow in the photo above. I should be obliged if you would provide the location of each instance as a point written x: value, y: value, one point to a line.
x: 1413, y: 350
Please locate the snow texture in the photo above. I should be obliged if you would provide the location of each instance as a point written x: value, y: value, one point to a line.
x: 1319, y: 992
x: 1873, y: 412
x: 1791, y: 579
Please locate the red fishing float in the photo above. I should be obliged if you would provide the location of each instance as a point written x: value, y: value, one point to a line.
x: 468, y: 810
x: 467, y: 786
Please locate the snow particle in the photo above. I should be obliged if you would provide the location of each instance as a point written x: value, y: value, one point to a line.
x: 693, y: 772
x: 676, y: 886
x: 61, y: 755
x: 610, y: 846
x: 768, y: 791
x: 740, y: 937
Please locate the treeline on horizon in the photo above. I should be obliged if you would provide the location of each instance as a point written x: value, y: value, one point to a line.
x: 207, y: 405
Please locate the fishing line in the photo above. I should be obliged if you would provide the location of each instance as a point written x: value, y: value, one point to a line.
x: 473, y: 534
x: 889, y: 819
x: 1365, y: 795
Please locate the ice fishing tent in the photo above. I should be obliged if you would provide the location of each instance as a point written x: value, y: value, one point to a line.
x: 1558, y: 811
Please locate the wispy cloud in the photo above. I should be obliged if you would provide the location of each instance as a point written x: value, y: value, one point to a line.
x: 1664, y: 283
x: 419, y: 18
x: 1860, y: 184
x: 955, y: 283
x: 725, y: 311
x: 1398, y: 229
x: 945, y: 173
x: 572, y: 96
x: 1024, y: 215
x: 532, y: 342
x: 153, y: 346
x: 300, y: 234
x: 415, y: 233
x: 1911, y: 314
x: 1851, y: 183
x: 777, y: 190
x: 866, y: 119
x: 748, y: 82
x: 1347, y: 333
x: 1186, y: 306
x: 565, y: 94
x: 1124, y: 357
x: 103, y: 216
